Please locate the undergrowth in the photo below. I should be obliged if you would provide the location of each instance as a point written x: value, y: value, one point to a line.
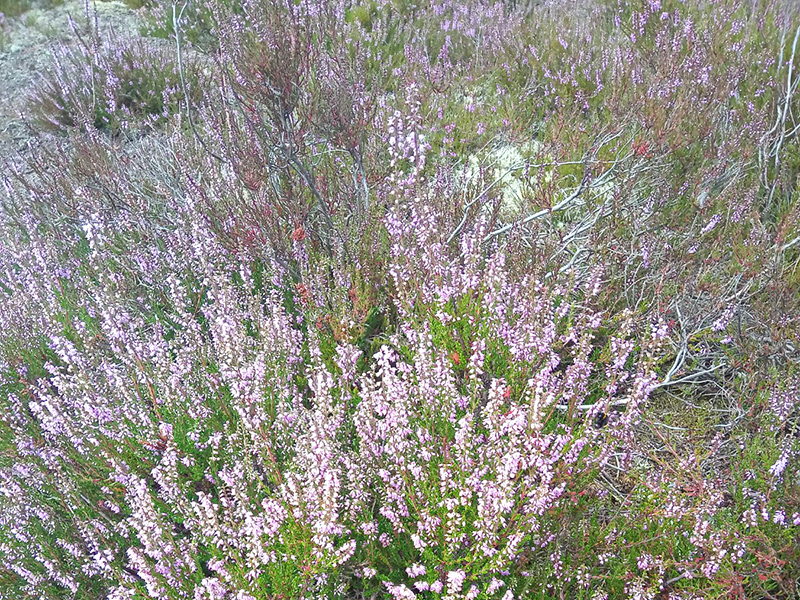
x: 448, y: 300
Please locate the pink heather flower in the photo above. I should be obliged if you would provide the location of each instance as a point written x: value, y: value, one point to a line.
x: 455, y: 579
x: 711, y: 224
x: 645, y: 562
x: 416, y: 570
x: 347, y: 356
x: 400, y: 592
x: 370, y: 528
x: 165, y: 430
x: 722, y: 322
x: 477, y: 358
x: 494, y: 585
x: 436, y: 587
x: 210, y: 589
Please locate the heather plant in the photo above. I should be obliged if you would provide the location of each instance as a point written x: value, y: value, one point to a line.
x: 463, y: 301
x: 113, y: 86
x: 302, y: 443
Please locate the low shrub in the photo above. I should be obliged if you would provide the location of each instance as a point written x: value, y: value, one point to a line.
x: 114, y: 86
x: 440, y: 301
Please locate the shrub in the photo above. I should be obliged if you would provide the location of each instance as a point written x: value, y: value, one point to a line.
x: 343, y: 331
x: 114, y: 86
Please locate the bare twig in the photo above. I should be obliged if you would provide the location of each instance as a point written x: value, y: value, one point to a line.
x: 585, y: 184
x: 772, y: 142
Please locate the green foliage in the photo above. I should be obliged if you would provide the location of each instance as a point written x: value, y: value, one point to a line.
x: 14, y: 8
x: 137, y: 4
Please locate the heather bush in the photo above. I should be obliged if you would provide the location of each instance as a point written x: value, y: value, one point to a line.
x: 114, y: 86
x: 438, y: 300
